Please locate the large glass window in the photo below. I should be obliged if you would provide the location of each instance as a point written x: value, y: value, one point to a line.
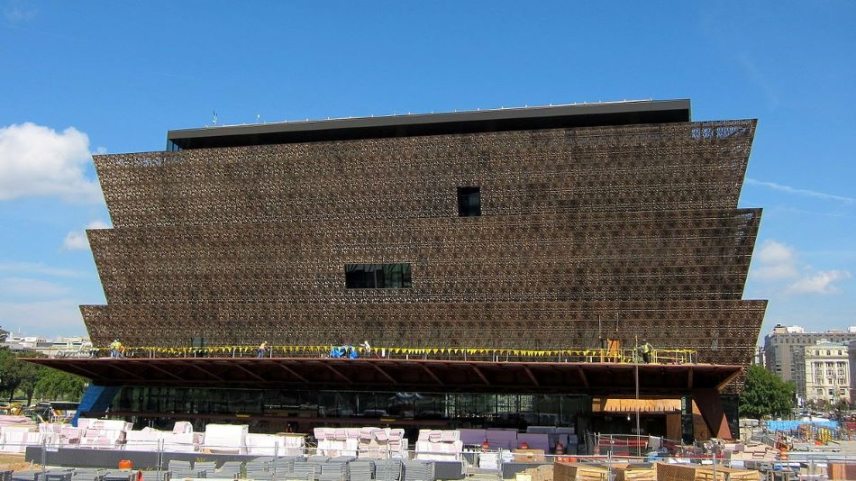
x: 469, y: 201
x: 377, y: 276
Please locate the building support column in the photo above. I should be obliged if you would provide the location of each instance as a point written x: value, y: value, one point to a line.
x: 96, y: 399
x: 710, y: 406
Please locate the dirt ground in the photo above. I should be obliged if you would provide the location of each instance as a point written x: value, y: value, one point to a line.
x: 14, y: 462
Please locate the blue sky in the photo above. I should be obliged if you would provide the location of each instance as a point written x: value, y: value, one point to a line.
x: 114, y: 76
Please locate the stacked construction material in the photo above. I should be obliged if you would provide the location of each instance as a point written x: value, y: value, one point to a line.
x: 337, y: 441
x: 418, y: 471
x: 388, y: 470
x: 304, y: 470
x: 528, y: 455
x: 16, y: 421
x: 265, y: 445
x: 436, y: 445
x: 228, y: 470
x: 543, y: 472
x: 147, y: 439
x: 15, y: 439
x: 539, y: 441
x: 259, y: 469
x: 102, y: 433
x: 580, y: 472
x: 282, y: 466
x: 635, y: 472
x: 225, y: 438
x: 182, y: 439
x: 489, y: 460
x: 205, y: 469
x: 293, y: 445
x: 55, y: 434
x: 555, y: 435
x: 180, y: 469
x: 361, y: 470
x: 366, y: 442
x: 694, y: 472
x: 501, y: 438
x: 334, y: 471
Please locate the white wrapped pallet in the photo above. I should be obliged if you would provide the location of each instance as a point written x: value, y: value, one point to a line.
x: 264, y: 445
x: 225, y: 438
x: 147, y: 439
x: 15, y: 438
x: 436, y: 445
x: 182, y: 443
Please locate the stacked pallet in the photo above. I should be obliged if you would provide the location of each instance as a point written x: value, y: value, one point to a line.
x: 841, y: 471
x: 147, y: 439
x: 580, y: 472
x: 225, y: 438
x: 538, y: 473
x: 388, y: 470
x: 635, y: 472
x: 383, y: 444
x: 366, y: 442
x: 555, y: 435
x: 102, y: 433
x: 694, y: 472
x: 489, y: 460
x: 337, y: 441
x: 529, y: 456
x: 361, y: 470
x: 434, y: 445
x: 15, y: 439
x: 418, y: 471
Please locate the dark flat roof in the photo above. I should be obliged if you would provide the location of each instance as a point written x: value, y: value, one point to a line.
x: 496, y: 120
x: 420, y: 375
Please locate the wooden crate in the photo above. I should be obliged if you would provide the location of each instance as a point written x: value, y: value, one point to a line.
x: 634, y: 472
x: 691, y: 472
x: 579, y: 472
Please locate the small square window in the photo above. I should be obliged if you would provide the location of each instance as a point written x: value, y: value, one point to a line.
x: 469, y: 201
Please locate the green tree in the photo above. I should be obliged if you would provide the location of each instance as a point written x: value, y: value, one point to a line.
x: 16, y: 374
x: 764, y: 394
x: 59, y: 386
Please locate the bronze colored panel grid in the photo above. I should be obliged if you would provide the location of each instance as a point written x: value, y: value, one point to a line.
x: 624, y: 232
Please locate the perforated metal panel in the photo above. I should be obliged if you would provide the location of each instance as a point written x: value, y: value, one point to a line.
x: 584, y: 233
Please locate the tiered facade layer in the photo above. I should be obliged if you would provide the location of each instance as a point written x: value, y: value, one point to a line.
x: 619, y: 232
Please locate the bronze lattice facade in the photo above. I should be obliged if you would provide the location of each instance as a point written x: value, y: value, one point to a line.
x: 584, y: 232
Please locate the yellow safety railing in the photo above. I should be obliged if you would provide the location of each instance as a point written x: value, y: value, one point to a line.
x: 612, y: 355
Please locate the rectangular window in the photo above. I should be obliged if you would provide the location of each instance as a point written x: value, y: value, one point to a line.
x: 469, y: 201
x: 377, y: 276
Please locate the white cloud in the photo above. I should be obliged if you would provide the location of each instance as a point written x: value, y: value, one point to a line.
x: 77, y: 240
x: 23, y: 287
x: 59, y: 317
x: 39, y: 161
x: 819, y: 283
x: 30, y: 268
x: 775, y: 261
x: 803, y: 192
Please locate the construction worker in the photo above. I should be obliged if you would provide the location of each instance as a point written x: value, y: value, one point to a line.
x: 645, y: 350
x: 367, y: 348
x: 116, y: 349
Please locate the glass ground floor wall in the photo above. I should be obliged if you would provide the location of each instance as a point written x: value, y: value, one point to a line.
x: 300, y: 410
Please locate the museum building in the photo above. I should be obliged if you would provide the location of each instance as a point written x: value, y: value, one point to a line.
x: 504, y: 266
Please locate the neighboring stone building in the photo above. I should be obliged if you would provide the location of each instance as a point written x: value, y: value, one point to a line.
x: 784, y: 351
x: 827, y: 372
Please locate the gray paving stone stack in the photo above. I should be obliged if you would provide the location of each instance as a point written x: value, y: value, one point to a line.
x: 362, y: 470
x: 418, y: 471
x: 388, y: 470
